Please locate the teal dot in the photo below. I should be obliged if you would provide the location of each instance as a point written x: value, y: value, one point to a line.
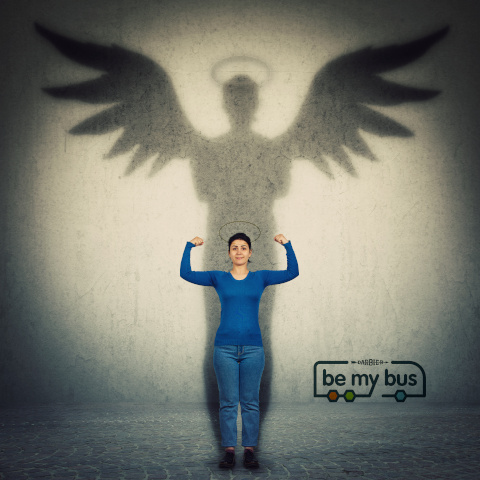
x: 400, y: 396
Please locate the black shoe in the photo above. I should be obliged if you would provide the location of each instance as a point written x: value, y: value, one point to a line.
x: 228, y: 461
x: 249, y: 460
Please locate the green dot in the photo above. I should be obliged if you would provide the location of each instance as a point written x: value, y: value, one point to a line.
x: 349, y: 396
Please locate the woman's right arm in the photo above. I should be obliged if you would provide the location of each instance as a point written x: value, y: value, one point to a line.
x: 199, y: 278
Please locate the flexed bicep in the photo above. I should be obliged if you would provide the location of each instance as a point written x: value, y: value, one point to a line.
x: 142, y: 97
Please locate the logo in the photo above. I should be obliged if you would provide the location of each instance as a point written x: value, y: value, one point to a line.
x: 368, y: 378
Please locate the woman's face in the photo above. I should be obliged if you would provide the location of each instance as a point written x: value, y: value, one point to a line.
x: 239, y: 252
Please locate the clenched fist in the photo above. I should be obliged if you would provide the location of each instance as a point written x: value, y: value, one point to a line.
x: 197, y: 241
x: 280, y: 239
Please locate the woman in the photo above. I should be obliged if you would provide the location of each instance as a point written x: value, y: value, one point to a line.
x: 238, y: 357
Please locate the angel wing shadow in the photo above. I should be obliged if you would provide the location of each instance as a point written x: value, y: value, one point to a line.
x: 336, y: 106
x: 145, y: 105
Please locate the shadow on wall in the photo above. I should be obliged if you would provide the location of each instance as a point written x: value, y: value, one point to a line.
x: 241, y: 173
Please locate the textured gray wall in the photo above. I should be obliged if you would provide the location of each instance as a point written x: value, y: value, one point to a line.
x: 93, y: 308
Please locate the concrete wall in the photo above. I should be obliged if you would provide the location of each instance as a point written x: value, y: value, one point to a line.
x: 93, y: 308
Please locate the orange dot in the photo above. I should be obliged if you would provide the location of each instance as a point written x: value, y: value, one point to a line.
x: 333, y: 395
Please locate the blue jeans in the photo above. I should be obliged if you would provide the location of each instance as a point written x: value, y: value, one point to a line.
x: 239, y: 370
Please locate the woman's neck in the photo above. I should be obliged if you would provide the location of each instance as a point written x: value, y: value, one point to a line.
x: 239, y: 270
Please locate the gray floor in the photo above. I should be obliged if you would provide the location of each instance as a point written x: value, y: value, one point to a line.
x: 321, y: 440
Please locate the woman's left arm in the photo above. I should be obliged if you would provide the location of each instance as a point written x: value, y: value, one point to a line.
x: 274, y: 277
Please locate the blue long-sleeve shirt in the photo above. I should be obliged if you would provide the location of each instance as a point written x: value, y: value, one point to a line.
x: 240, y: 299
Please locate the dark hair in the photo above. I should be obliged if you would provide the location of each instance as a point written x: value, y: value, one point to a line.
x: 239, y: 236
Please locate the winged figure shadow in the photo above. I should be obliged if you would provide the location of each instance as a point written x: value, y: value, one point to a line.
x: 241, y: 173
